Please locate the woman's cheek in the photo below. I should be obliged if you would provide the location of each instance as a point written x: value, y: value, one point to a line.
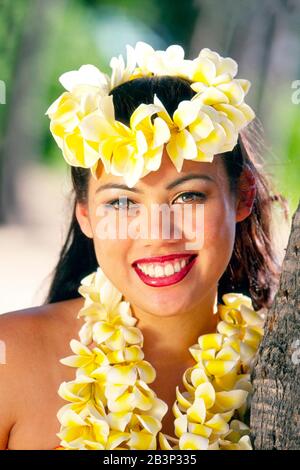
x: 219, y: 220
x: 112, y: 253
x: 219, y: 236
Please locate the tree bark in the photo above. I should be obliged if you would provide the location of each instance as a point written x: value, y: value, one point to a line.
x: 275, y: 407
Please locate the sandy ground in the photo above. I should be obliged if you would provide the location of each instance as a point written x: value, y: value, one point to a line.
x: 29, y: 251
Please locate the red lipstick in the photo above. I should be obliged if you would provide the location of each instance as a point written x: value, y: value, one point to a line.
x: 164, y: 280
x: 162, y: 259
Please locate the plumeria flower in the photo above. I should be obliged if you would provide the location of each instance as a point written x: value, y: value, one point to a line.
x: 156, y: 134
x: 127, y: 388
x: 142, y: 441
x: 244, y: 443
x: 89, y: 430
x: 210, y: 69
x: 103, y: 303
x: 78, y: 391
x: 224, y: 128
x: 242, y: 325
x: 223, y: 65
x: 86, y: 359
x: 237, y: 116
x: 168, y: 62
x: 124, y: 149
x: 115, y: 336
x: 65, y: 114
x: 87, y: 75
x: 99, y: 289
x: 194, y: 135
x: 84, y: 88
x: 120, y: 72
x: 145, y: 423
x: 95, y: 317
x: 213, y: 81
x: 103, y: 300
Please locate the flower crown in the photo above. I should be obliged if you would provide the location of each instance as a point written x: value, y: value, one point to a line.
x: 83, y: 119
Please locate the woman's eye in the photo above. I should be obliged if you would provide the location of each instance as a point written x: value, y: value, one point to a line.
x: 120, y: 203
x: 125, y: 203
x: 192, y: 196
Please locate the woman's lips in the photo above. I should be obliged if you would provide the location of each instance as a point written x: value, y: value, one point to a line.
x: 162, y: 259
x: 166, y: 280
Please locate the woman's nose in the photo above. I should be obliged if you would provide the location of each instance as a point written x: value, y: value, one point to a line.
x: 171, y: 225
x: 160, y: 223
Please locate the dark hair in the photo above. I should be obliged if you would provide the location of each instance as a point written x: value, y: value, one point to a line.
x: 252, y: 270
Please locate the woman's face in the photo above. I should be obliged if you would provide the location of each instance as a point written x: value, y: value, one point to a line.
x: 116, y: 253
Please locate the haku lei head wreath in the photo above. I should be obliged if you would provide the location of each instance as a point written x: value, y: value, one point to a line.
x: 83, y: 119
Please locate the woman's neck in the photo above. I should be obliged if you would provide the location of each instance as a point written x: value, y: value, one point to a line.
x: 168, y: 338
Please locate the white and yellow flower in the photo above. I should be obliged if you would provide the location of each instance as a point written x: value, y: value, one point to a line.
x: 168, y: 62
x: 87, y: 75
x: 198, y: 132
x: 120, y: 72
x: 124, y: 150
x: 85, y: 87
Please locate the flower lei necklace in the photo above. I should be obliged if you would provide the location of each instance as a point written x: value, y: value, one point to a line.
x: 111, y: 405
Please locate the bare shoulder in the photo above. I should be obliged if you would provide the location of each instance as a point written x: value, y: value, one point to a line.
x: 32, y: 326
x: 31, y: 340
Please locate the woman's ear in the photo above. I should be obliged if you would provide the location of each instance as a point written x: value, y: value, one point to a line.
x: 246, y: 194
x: 82, y: 216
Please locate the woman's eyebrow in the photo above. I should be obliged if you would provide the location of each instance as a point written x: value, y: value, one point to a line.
x: 188, y: 177
x: 171, y: 185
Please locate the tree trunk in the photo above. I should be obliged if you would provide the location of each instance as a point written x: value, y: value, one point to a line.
x: 275, y: 408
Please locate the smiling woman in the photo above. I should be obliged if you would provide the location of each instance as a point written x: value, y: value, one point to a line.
x: 150, y: 309
x: 252, y: 268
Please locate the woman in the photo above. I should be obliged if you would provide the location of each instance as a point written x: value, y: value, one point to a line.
x: 171, y: 288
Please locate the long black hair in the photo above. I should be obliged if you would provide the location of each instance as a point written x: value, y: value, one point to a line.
x: 252, y: 270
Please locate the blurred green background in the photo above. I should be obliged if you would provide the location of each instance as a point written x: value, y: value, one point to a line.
x: 41, y: 39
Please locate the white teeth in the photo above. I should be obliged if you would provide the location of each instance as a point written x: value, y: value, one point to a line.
x: 169, y: 270
x: 159, y: 271
x: 155, y: 270
x: 146, y: 269
x: 151, y: 270
x: 177, y: 267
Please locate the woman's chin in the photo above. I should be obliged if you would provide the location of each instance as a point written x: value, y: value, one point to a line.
x: 167, y: 304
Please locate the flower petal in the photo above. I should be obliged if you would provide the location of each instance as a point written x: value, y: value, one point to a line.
x: 120, y: 374
x: 189, y: 441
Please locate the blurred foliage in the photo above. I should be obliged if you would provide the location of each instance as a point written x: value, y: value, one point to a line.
x: 285, y: 120
x: 11, y: 28
x: 173, y: 20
